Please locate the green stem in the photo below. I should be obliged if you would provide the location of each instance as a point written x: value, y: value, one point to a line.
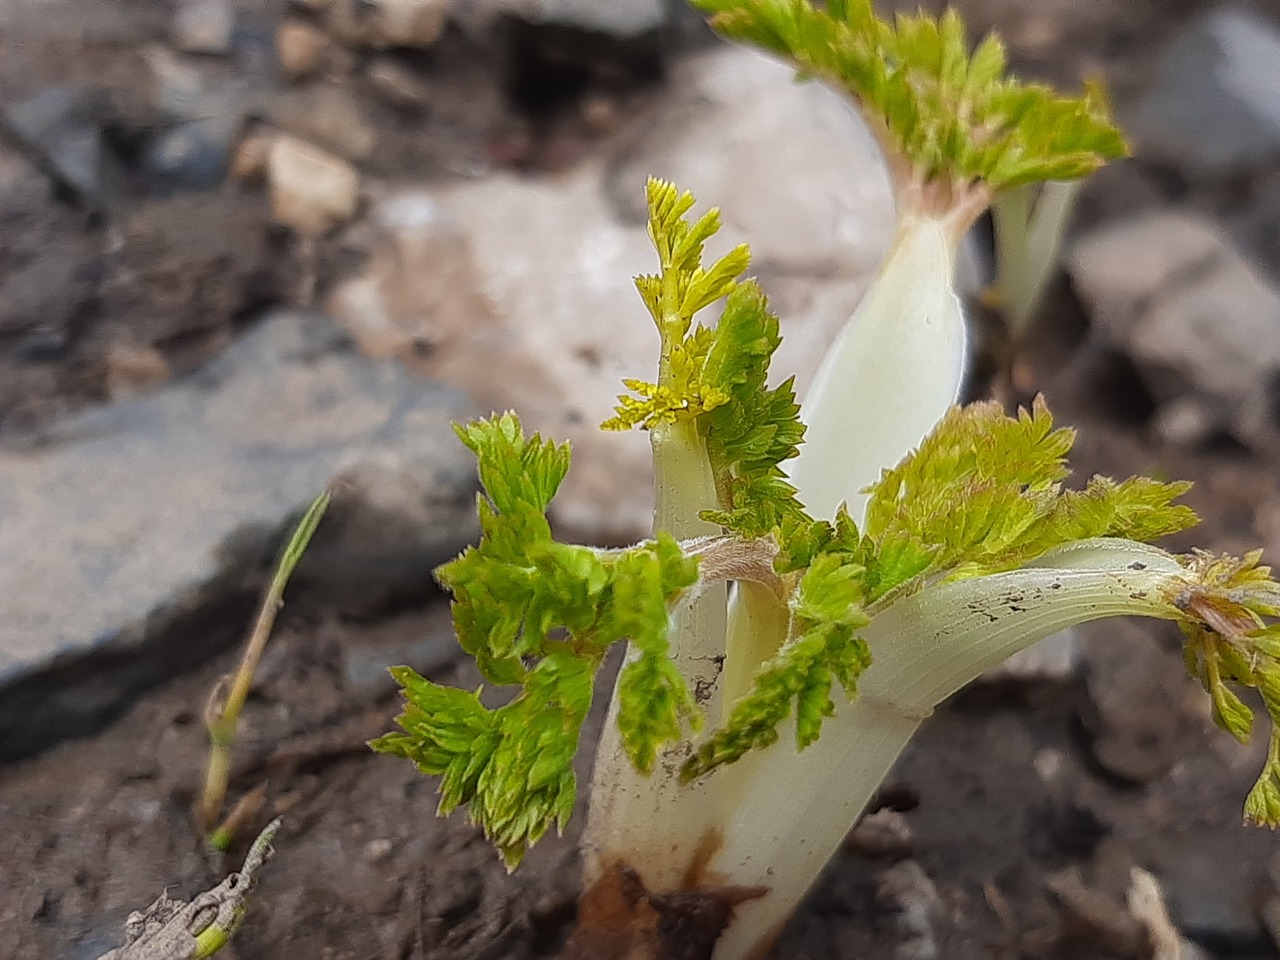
x: 1030, y: 222
x: 223, y: 720
x: 652, y: 823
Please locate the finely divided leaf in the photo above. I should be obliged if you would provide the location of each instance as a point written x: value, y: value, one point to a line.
x: 681, y: 289
x: 983, y: 494
x: 513, y: 766
x: 716, y: 376
x: 539, y: 614
x: 1262, y: 806
x: 1228, y: 643
x: 951, y: 115
x: 756, y: 429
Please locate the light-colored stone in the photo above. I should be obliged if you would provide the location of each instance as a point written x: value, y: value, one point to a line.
x: 327, y: 115
x: 1214, y: 107
x: 134, y: 538
x: 249, y: 161
x: 301, y: 47
x: 383, y: 24
x: 312, y: 191
x: 906, y: 892
x: 203, y: 26
x: 1197, y: 319
x: 134, y: 369
x: 520, y: 288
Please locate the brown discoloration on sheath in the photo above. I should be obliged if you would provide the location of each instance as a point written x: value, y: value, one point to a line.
x: 619, y: 919
x: 1221, y: 614
x: 696, y: 875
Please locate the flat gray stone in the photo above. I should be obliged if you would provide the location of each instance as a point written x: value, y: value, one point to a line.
x: 1199, y: 321
x: 61, y: 126
x: 1214, y: 107
x: 135, y: 539
x: 618, y: 18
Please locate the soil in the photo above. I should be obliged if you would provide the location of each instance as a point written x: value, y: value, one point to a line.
x: 1005, y: 789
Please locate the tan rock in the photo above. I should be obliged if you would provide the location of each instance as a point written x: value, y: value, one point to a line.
x: 249, y: 162
x: 312, y: 190
x: 383, y: 24
x: 301, y: 47
x: 133, y: 369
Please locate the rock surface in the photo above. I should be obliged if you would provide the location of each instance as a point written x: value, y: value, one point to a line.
x: 302, y: 48
x: 1213, y: 108
x: 326, y: 115
x: 204, y: 26
x: 381, y: 24
x: 312, y: 190
x: 61, y: 127
x: 1142, y: 706
x: 134, y: 538
x: 519, y: 289
x: 1199, y: 321
x: 623, y: 19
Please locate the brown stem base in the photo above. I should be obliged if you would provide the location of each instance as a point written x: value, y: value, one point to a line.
x: 619, y: 919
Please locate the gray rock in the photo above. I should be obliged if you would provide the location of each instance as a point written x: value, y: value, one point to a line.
x: 395, y: 641
x: 1142, y: 706
x: 203, y: 26
x: 619, y: 18
x: 134, y: 539
x: 1212, y: 898
x: 192, y: 149
x: 328, y: 116
x: 545, y: 318
x: 191, y: 156
x: 1214, y: 107
x: 62, y: 128
x: 397, y: 84
x: 1195, y: 316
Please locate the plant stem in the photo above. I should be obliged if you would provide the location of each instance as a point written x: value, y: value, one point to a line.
x: 1030, y: 222
x: 651, y: 823
x: 925, y: 648
x: 222, y: 720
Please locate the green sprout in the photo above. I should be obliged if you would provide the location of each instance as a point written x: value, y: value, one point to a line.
x: 823, y: 573
x: 222, y: 716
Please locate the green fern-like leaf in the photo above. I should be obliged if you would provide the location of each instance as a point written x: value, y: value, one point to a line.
x: 947, y: 113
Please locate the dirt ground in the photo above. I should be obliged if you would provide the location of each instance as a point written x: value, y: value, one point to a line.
x: 1008, y: 787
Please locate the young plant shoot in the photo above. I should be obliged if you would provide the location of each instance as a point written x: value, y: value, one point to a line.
x: 884, y: 547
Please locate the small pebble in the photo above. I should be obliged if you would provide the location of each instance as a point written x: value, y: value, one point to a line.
x: 375, y: 851
x: 885, y: 834
x: 301, y: 48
